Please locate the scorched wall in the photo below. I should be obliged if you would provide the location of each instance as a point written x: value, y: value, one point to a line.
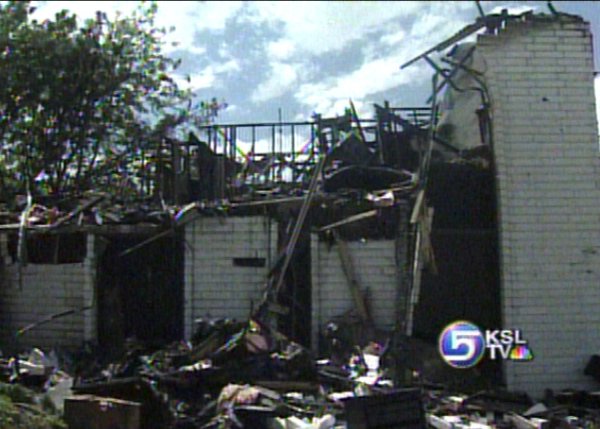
x: 44, y: 290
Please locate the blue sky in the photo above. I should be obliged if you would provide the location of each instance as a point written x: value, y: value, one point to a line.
x: 306, y: 57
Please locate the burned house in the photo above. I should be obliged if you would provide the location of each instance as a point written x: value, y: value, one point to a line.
x: 482, y: 206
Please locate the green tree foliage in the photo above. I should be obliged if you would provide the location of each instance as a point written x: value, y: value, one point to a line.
x: 18, y: 410
x: 83, y: 102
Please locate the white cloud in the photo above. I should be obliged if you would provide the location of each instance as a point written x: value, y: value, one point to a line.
x: 430, y: 26
x: 209, y: 76
x: 227, y: 67
x: 378, y: 74
x: 205, y: 79
x: 396, y: 32
x: 319, y: 27
x: 281, y: 78
x: 281, y: 49
x: 313, y: 29
x: 393, y: 38
x: 196, y: 50
x: 330, y: 97
x: 210, y: 15
x: 186, y: 16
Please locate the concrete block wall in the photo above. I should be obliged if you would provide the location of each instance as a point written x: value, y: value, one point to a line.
x: 214, y: 287
x: 44, y: 290
x: 540, y: 78
x: 374, y: 262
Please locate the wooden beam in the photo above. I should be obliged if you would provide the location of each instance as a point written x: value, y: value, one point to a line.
x: 349, y: 219
x: 520, y: 422
x: 353, y: 283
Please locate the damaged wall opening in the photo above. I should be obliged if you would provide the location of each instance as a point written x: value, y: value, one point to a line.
x: 464, y: 237
x: 140, y: 294
x: 297, y: 289
x: 62, y: 248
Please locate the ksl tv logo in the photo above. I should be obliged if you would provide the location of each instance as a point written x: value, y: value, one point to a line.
x: 462, y: 344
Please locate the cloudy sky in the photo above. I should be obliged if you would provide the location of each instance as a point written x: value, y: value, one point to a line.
x: 314, y: 56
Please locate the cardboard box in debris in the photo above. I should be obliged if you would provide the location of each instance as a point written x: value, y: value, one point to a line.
x: 247, y: 375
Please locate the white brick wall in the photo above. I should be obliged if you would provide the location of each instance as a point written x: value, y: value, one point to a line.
x: 44, y: 290
x: 541, y: 84
x: 374, y: 263
x: 214, y: 287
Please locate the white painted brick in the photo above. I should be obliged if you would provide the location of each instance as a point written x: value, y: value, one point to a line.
x: 46, y: 290
x: 214, y: 285
x: 549, y: 193
x: 375, y: 267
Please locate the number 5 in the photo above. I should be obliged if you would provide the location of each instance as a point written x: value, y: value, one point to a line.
x: 463, y: 338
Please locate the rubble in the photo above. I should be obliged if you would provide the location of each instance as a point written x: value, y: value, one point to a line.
x: 238, y: 375
x: 92, y: 412
x: 247, y: 375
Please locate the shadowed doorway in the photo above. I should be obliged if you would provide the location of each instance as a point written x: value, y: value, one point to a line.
x: 140, y: 294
